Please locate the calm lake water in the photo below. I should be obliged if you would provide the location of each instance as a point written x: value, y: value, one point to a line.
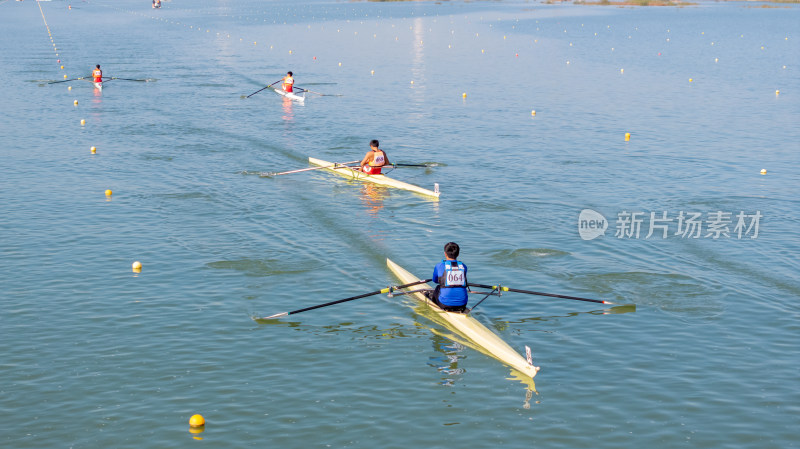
x: 97, y: 356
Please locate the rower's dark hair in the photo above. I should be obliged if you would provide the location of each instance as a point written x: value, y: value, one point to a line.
x: 98, y: 66
x: 451, y: 250
x: 289, y: 73
x: 374, y: 143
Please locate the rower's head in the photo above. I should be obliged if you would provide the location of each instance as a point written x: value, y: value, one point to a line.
x: 451, y: 250
x: 289, y: 73
x: 374, y: 144
x: 98, y: 66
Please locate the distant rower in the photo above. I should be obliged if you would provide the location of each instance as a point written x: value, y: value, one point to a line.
x: 374, y: 160
x: 97, y: 74
x: 451, y: 276
x: 288, y: 82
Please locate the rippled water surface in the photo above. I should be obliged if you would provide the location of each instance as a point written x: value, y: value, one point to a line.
x: 97, y: 356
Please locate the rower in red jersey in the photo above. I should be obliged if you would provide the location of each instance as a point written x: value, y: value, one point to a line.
x: 288, y: 82
x: 97, y: 74
x: 374, y: 160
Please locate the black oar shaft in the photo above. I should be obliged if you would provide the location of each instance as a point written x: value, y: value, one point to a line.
x: 64, y: 81
x: 265, y: 87
x: 529, y: 292
x: 352, y: 298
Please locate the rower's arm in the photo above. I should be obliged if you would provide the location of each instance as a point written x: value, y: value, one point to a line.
x: 366, y: 159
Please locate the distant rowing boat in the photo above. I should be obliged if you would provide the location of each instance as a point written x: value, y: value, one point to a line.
x: 291, y: 95
x: 471, y: 332
x: 375, y: 179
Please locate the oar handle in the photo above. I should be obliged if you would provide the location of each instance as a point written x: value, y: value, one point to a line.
x: 410, y: 292
x: 529, y: 292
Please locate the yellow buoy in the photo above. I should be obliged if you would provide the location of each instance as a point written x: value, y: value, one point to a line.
x: 195, y: 420
x: 763, y: 171
x: 777, y: 92
x: 621, y: 71
x: 372, y: 72
x: 690, y: 80
x: 464, y: 95
x: 83, y: 122
x: 75, y: 102
x: 62, y: 67
x: 65, y: 76
x: 412, y: 81
x: 69, y: 87
x: 109, y: 192
x: 627, y: 137
x: 533, y: 112
x: 340, y: 64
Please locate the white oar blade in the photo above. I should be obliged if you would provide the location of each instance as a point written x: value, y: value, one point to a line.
x: 277, y: 315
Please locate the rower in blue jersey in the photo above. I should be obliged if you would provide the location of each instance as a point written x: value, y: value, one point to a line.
x: 451, y: 276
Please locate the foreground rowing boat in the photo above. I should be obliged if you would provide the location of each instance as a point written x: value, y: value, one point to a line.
x: 472, y: 332
x: 376, y: 179
x: 291, y: 95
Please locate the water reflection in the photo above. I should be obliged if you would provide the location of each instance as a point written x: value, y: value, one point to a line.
x: 373, y: 197
x: 447, y: 363
x: 450, y: 348
x: 98, y: 93
x: 196, y: 431
x: 288, y: 109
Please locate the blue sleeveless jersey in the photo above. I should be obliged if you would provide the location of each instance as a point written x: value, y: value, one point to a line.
x: 451, y: 295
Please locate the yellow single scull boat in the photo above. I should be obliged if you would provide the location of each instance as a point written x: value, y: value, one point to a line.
x: 471, y: 332
x: 376, y: 179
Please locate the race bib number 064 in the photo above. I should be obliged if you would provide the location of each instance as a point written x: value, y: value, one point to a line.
x: 455, y: 278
